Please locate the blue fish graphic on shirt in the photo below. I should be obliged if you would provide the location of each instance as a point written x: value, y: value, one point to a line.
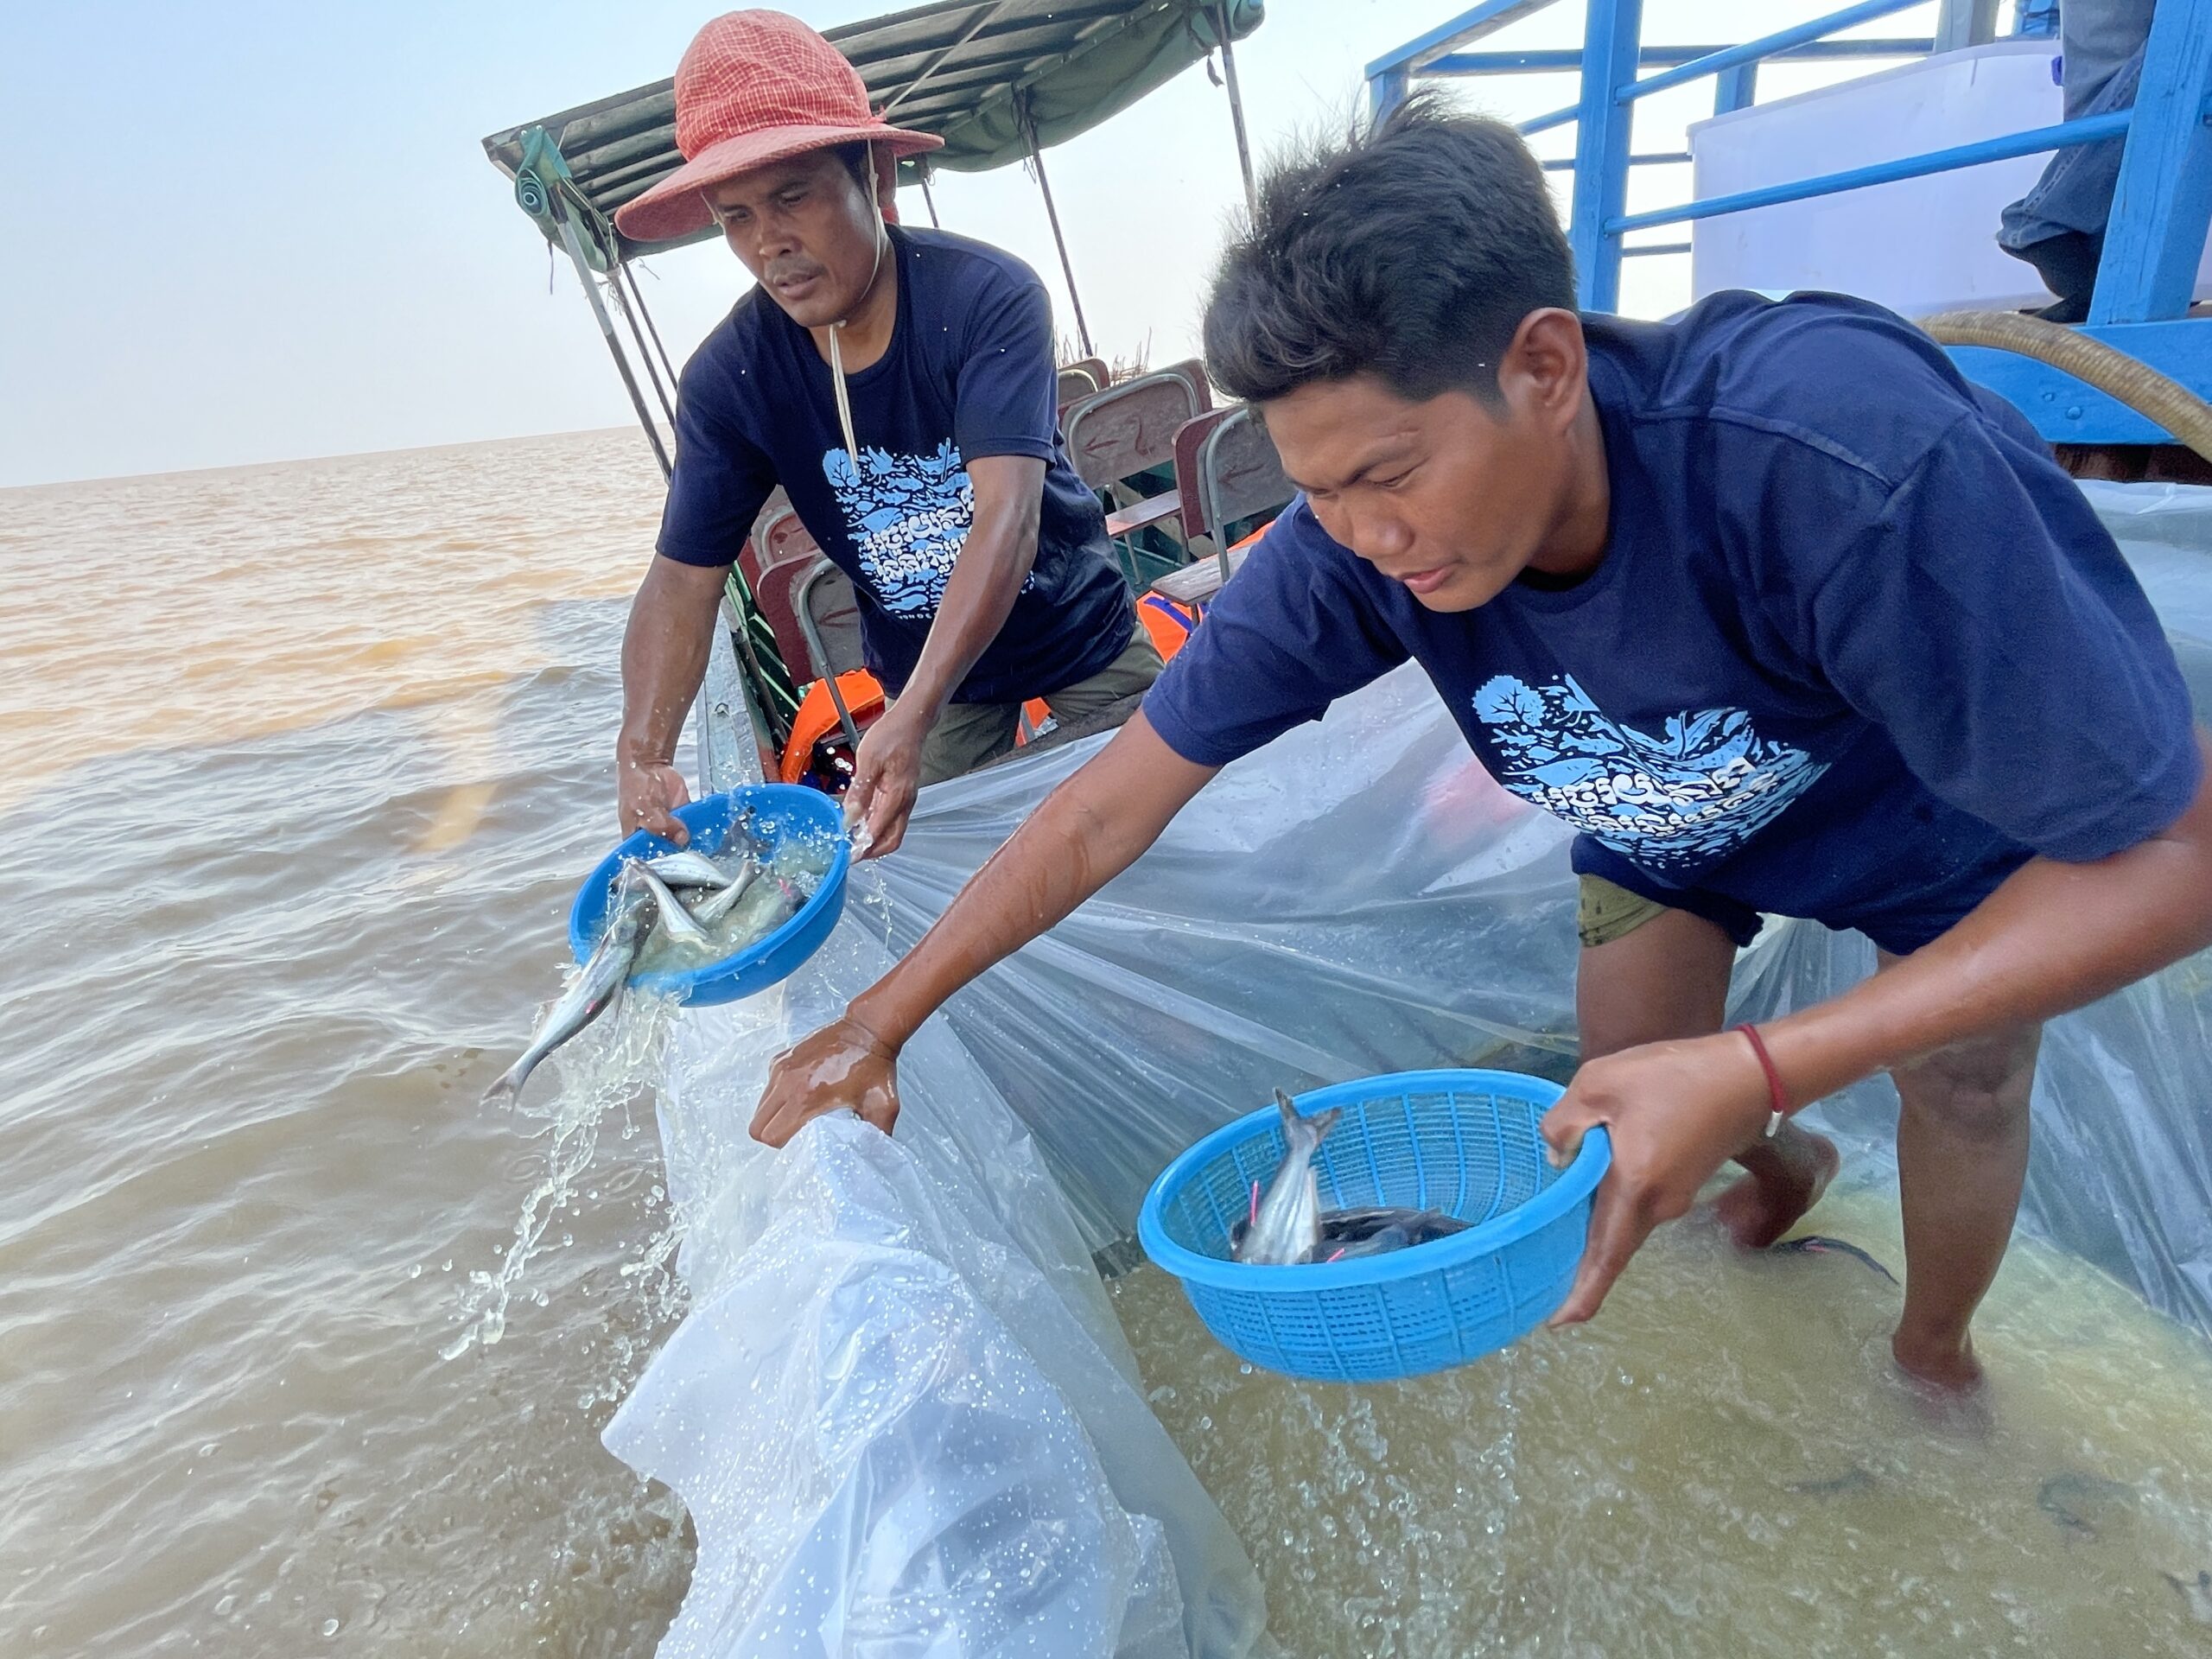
x: 909, y: 516
x: 1674, y: 801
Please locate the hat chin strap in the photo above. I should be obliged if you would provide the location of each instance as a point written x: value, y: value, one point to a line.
x: 836, y: 358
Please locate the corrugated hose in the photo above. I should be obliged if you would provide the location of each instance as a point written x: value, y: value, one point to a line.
x: 2149, y: 394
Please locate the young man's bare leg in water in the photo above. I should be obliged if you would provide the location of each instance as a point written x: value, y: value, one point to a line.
x: 1962, y: 1157
x: 1668, y: 979
x: 1963, y: 1134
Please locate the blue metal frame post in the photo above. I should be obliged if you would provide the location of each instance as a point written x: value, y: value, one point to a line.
x: 1736, y: 87
x: 1611, y: 38
x: 2163, y: 204
x: 1386, y: 92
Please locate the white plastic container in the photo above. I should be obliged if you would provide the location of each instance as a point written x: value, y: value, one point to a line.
x: 1918, y: 245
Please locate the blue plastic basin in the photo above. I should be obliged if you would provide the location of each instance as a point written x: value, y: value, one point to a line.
x: 1461, y: 1141
x: 779, y: 810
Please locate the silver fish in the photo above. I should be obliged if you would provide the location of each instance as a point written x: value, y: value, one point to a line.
x: 675, y: 920
x: 767, y: 904
x: 710, y: 910
x: 2082, y: 1504
x: 1288, y: 1225
x: 1347, y: 1234
x: 597, y: 987
x: 688, y: 868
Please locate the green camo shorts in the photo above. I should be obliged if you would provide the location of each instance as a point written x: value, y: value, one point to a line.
x: 1604, y: 912
x: 968, y: 733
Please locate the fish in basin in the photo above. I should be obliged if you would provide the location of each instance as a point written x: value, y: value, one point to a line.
x: 675, y: 921
x: 598, y: 985
x: 708, y: 911
x: 1286, y: 1224
x: 1377, y: 1229
x: 688, y: 868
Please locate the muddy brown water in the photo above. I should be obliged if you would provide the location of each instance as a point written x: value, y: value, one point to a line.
x: 301, y: 766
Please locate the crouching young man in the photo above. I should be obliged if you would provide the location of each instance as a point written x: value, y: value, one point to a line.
x: 1770, y: 604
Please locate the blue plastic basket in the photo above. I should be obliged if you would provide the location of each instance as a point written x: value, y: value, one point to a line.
x: 1462, y: 1142
x: 779, y: 810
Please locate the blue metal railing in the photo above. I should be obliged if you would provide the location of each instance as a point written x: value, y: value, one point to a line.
x: 2160, y: 210
x: 2034, y: 141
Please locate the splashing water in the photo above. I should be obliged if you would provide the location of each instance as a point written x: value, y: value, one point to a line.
x: 614, y: 1064
x: 605, y: 1067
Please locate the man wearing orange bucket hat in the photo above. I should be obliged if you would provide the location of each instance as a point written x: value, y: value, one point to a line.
x: 899, y: 385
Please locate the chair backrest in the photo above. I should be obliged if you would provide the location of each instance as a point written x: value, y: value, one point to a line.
x: 783, y: 540
x: 1081, y: 379
x: 779, y: 553
x: 1129, y: 427
x: 1192, y: 370
x: 777, y: 536
x: 1239, y: 473
x: 776, y: 593
x: 1189, y: 438
x: 830, y: 616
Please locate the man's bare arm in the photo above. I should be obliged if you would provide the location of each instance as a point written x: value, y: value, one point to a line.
x: 986, y: 577
x: 2053, y: 937
x: 664, y: 659
x: 1085, y: 833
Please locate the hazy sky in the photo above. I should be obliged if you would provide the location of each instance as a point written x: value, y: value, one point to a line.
x: 244, y: 232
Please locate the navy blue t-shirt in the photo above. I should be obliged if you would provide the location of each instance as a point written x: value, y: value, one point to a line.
x: 1856, y: 651
x: 968, y: 373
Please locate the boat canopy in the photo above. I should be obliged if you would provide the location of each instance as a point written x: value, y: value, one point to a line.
x: 993, y: 78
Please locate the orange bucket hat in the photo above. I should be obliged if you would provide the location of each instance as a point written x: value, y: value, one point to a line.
x: 756, y: 87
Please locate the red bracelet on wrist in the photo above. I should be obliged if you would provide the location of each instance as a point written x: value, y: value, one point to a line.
x: 1774, y: 1090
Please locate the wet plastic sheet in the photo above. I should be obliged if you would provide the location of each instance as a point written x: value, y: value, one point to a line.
x: 898, y: 1411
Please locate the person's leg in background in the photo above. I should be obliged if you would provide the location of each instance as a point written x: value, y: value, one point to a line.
x: 966, y: 735
x: 2059, y: 225
x: 1136, y: 668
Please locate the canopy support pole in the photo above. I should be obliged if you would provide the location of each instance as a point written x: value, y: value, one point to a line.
x: 1067, y: 267
x: 982, y: 14
x: 630, y: 316
x: 1236, y: 108
x: 930, y: 202
x: 614, y: 344
x: 638, y: 299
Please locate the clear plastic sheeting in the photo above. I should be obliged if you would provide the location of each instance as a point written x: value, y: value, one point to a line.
x: 898, y: 1411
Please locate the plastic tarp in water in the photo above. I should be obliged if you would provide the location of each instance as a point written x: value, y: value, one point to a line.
x: 899, y: 1409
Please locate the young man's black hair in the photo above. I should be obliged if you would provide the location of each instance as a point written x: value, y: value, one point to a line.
x: 1411, y: 252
